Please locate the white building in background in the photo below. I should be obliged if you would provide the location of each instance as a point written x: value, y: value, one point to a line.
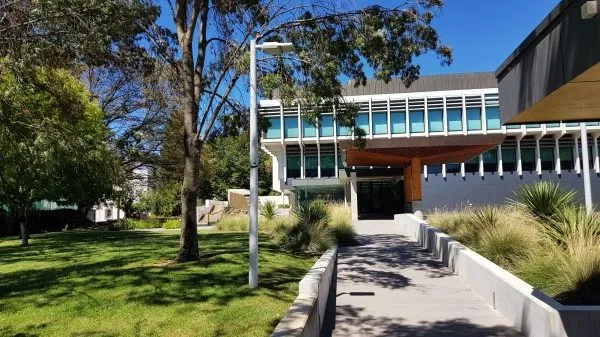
x: 437, y: 144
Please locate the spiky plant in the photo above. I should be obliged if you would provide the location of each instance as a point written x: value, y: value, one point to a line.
x: 268, y: 209
x: 573, y: 225
x: 543, y: 199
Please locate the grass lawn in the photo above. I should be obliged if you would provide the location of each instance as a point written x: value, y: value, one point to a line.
x: 104, y: 284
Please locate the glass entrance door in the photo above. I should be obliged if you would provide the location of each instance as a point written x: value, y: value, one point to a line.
x: 379, y: 199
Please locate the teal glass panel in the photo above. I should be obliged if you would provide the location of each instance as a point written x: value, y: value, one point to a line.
x: 362, y: 120
x: 398, y: 122
x: 435, y: 118
x: 509, y: 159
x: 293, y: 166
x: 343, y: 131
x: 492, y: 116
x: 417, y: 122
x: 312, y: 166
x: 490, y: 160
x: 592, y: 123
x: 566, y: 158
x: 473, y: 119
x: 553, y: 125
x: 528, y: 159
x: 380, y: 123
x: 547, y: 158
x: 532, y: 126
x: 472, y: 165
x: 454, y: 119
x: 328, y: 165
x: 274, y: 128
x: 326, y: 126
x: 308, y: 129
x: 572, y: 124
x: 340, y: 162
x: 513, y: 126
x: 291, y: 127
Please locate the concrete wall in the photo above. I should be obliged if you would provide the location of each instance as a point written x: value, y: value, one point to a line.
x: 453, y: 191
x: 307, y: 316
x: 529, y: 310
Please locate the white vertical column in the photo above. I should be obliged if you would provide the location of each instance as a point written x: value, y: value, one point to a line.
x: 285, y: 165
x: 444, y: 170
x: 318, y: 160
x: 464, y: 115
x: 281, y: 123
x: 445, y: 116
x: 462, y: 169
x: 483, y: 115
x: 353, y: 196
x: 389, y: 119
x: 538, y: 159
x: 371, y: 118
x: 577, y: 157
x: 335, y: 143
x: 595, y: 153
x: 557, y: 167
x: 407, y: 115
x: 499, y: 156
x: 587, y: 187
x: 519, y: 161
x: 481, y: 171
x: 302, y: 161
x: 425, y: 117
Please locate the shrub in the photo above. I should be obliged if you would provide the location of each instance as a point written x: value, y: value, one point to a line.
x: 507, y: 242
x: 340, y: 221
x: 138, y: 224
x: 573, y: 225
x: 285, y: 206
x: 543, y: 199
x: 172, y: 224
x: 268, y: 210
x: 308, y: 232
x: 238, y: 222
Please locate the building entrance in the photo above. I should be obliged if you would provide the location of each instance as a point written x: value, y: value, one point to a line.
x: 379, y: 199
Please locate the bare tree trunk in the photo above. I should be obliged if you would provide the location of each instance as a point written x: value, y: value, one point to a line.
x: 24, y: 229
x: 188, y: 244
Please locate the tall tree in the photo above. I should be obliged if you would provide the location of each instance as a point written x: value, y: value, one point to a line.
x: 52, y: 142
x: 332, y: 38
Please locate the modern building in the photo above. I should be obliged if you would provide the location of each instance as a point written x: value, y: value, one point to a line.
x: 439, y: 143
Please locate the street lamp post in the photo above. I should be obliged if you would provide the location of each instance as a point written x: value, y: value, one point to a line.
x: 272, y: 48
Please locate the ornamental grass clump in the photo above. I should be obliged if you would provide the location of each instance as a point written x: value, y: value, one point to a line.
x: 340, y: 221
x: 268, y: 210
x: 543, y: 199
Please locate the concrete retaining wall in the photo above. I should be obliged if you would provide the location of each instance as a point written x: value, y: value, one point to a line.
x: 529, y: 310
x: 307, y: 316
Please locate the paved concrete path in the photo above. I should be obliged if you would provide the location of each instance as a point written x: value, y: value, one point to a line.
x: 411, y: 293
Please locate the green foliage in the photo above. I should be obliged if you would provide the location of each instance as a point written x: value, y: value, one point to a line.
x: 544, y: 198
x: 573, y: 225
x: 141, y: 292
x: 172, y: 224
x: 163, y: 201
x: 128, y: 223
x: 268, y: 210
x: 239, y: 222
x: 340, y: 222
x: 52, y: 141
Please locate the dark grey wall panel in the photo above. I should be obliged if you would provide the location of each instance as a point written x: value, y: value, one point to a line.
x: 580, y: 42
x: 454, y: 191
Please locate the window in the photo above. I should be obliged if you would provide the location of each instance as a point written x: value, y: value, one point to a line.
x: 328, y: 165
x: 434, y: 169
x: 532, y: 126
x: 291, y: 126
x: 326, y: 126
x: 436, y: 120
x: 380, y: 123
x: 547, y: 158
x: 592, y: 123
x: 108, y: 213
x: 566, y: 158
x: 311, y: 163
x: 362, y: 120
x: 572, y: 124
x: 509, y: 160
x: 454, y: 119
x: 513, y: 126
x: 473, y: 119
x: 417, y: 121
x: 490, y: 161
x: 343, y: 131
x: 308, y: 129
x: 553, y: 125
x: 274, y: 128
x: 453, y: 168
x: 492, y: 116
x: 293, y: 166
x: 528, y: 159
x: 472, y: 165
x: 398, y: 121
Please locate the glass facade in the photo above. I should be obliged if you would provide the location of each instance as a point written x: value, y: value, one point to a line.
x: 380, y: 123
x: 509, y: 159
x: 454, y: 119
x: 326, y: 126
x: 417, y: 121
x: 311, y: 162
x: 309, y: 130
x: 398, y: 122
x: 435, y: 119
x: 328, y: 165
x: 273, y: 128
x: 566, y: 157
x: 472, y: 165
x: 343, y: 131
x: 453, y: 168
x: 473, y: 119
x: 492, y: 116
x: 490, y: 161
x: 290, y: 124
x: 528, y: 159
x: 293, y: 166
x: 547, y: 158
x: 362, y: 120
x: 434, y: 169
